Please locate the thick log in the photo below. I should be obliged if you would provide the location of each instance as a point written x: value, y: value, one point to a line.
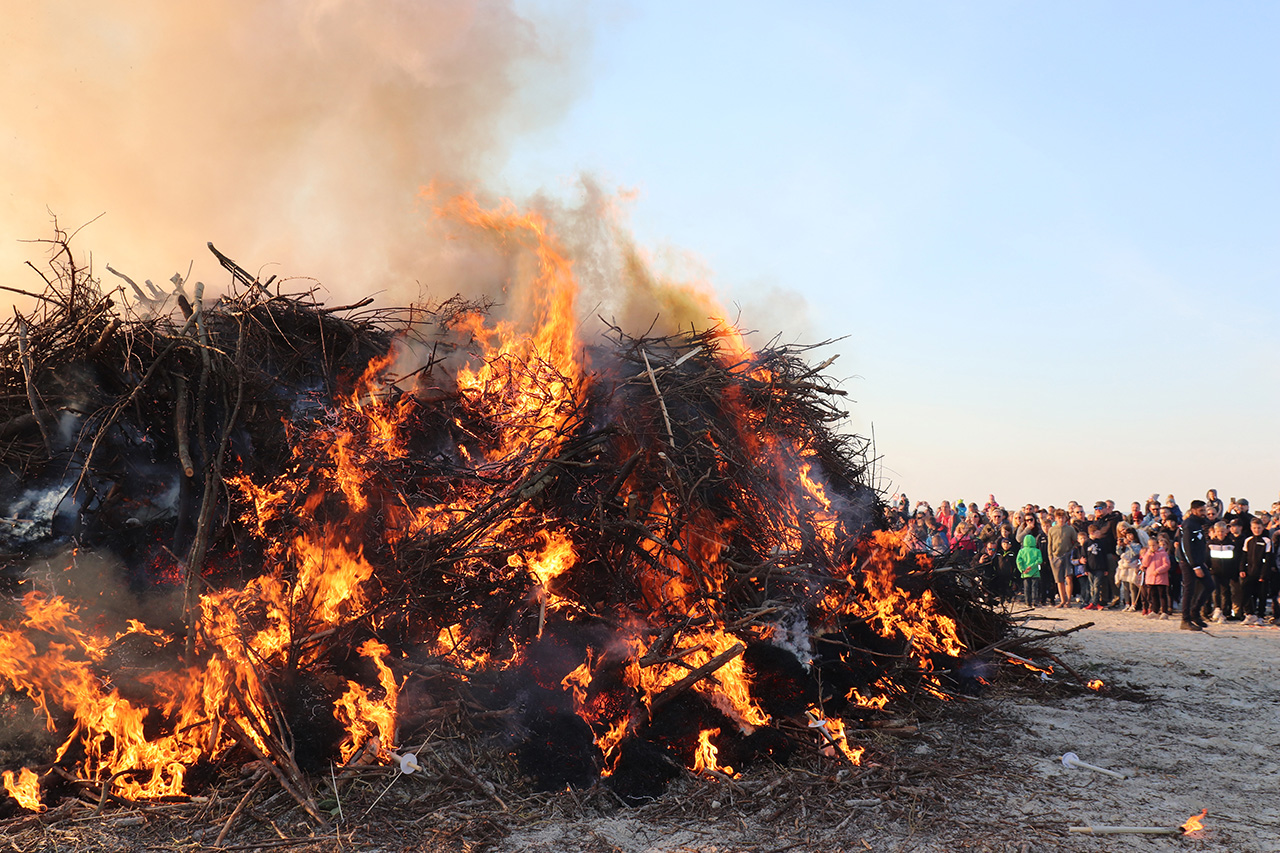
x: 697, y: 675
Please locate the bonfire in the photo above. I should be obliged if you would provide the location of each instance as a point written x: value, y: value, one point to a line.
x: 256, y: 531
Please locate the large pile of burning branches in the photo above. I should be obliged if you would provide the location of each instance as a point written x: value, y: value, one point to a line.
x: 259, y: 528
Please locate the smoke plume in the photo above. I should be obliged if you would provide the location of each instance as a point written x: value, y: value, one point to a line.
x: 293, y: 134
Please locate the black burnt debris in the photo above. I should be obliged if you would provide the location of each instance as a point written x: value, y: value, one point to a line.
x: 324, y: 543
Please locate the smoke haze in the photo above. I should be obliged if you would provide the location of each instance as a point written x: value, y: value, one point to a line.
x: 293, y: 135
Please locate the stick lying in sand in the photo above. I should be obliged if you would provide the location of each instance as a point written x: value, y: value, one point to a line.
x: 1127, y: 830
x: 1073, y: 760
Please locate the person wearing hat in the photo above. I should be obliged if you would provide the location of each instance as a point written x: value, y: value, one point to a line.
x: 1105, y: 515
x: 1240, y: 511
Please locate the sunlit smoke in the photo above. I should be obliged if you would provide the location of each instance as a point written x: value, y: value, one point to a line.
x: 293, y: 135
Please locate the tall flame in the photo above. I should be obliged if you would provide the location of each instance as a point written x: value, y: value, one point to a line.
x: 325, y: 525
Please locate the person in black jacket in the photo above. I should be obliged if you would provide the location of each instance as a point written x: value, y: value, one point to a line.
x: 1237, y: 533
x: 1105, y: 515
x: 1256, y: 568
x: 1006, y: 566
x: 1223, y: 565
x: 1197, y: 582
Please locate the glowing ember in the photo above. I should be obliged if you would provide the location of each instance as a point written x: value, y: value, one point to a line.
x: 1096, y: 684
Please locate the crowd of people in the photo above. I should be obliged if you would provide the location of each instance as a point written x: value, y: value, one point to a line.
x: 1215, y: 561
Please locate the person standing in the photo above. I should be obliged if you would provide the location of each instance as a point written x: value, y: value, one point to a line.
x: 1211, y: 499
x: 1095, y: 559
x: 1128, y: 573
x: 1237, y: 533
x: 1029, y: 562
x: 1155, y: 577
x: 1060, y: 539
x: 1105, y: 515
x: 1197, y: 582
x: 1255, y: 573
x: 1222, y: 565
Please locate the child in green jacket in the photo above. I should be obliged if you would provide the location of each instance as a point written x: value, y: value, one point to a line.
x: 1029, y: 561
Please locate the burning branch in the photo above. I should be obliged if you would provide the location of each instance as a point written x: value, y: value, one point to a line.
x: 697, y: 675
x: 496, y: 518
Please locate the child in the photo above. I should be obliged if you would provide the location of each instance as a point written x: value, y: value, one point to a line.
x: 1222, y: 565
x: 1155, y: 567
x: 1007, y: 554
x: 1255, y: 572
x: 963, y: 543
x: 1129, y: 568
x: 1078, y: 569
x: 1029, y: 560
x: 1095, y: 560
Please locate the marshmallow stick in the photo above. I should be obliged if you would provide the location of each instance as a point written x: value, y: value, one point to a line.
x: 1073, y: 760
x: 1127, y: 830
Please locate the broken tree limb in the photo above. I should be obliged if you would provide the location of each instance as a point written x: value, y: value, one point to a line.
x: 289, y: 784
x: 180, y: 417
x: 697, y: 675
x: 96, y: 349
x: 653, y: 380
x: 235, y: 813
x: 28, y: 372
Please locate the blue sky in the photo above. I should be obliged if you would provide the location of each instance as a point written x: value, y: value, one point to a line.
x: 1049, y: 231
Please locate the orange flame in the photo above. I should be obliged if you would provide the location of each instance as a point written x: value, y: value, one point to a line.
x: 729, y: 689
x: 705, y: 758
x: 1096, y: 684
x: 24, y: 787
x: 1195, y: 823
x: 892, y: 611
x: 364, y: 716
x: 833, y: 735
x: 527, y: 375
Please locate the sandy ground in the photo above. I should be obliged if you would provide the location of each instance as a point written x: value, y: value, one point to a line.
x: 1210, y: 737
x: 1193, y: 720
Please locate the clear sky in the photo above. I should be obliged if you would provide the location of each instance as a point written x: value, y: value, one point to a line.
x: 1049, y: 230
x: 1049, y: 233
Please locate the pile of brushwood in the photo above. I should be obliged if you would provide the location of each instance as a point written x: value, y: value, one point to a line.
x: 132, y: 418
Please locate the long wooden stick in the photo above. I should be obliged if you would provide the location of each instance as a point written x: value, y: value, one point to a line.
x: 662, y: 404
x: 1127, y: 830
x: 28, y: 372
x: 235, y: 813
x: 180, y: 425
x: 697, y: 675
